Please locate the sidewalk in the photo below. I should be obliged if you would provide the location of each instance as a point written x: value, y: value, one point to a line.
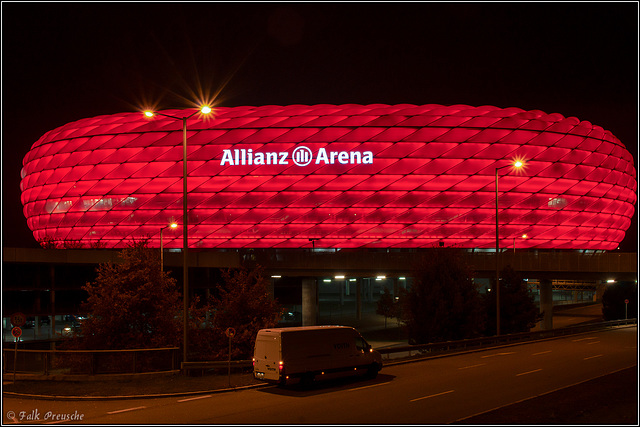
x: 139, y: 386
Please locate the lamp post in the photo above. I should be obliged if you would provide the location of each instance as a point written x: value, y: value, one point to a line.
x: 185, y: 222
x: 524, y: 236
x: 517, y: 164
x: 172, y: 225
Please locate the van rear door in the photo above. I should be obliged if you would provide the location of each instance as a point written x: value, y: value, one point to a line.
x: 267, y: 356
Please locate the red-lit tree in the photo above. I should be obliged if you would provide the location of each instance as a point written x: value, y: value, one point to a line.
x: 243, y: 303
x: 132, y: 304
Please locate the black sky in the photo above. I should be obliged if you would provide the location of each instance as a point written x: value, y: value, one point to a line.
x: 67, y: 61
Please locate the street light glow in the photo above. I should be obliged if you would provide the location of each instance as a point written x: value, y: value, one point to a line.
x: 173, y: 225
x: 148, y: 113
x: 205, y: 109
x: 518, y: 164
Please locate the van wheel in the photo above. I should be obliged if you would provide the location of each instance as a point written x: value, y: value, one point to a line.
x: 307, y: 379
x: 372, y: 371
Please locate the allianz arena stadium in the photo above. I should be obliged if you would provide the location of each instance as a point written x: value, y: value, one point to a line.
x: 335, y: 176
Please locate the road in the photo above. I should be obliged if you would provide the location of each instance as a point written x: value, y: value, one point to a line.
x: 436, y: 391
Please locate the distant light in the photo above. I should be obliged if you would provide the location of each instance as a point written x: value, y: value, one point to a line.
x: 352, y: 280
x: 327, y: 280
x: 148, y: 113
x: 339, y: 277
x: 524, y: 236
x: 401, y: 278
x: 205, y: 110
x: 381, y: 277
x: 611, y: 281
x: 276, y: 277
x: 173, y: 225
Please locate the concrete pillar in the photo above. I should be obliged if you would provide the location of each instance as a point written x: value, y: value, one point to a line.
x: 546, y: 304
x: 52, y: 296
x: 309, y: 301
x: 359, y: 298
x: 600, y: 287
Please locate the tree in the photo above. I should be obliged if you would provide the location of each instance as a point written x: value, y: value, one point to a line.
x: 518, y: 312
x: 242, y: 303
x: 132, y: 304
x: 47, y: 242
x: 385, y: 305
x: 443, y: 303
x: 613, y: 306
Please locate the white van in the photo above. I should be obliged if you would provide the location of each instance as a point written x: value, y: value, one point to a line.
x: 308, y: 352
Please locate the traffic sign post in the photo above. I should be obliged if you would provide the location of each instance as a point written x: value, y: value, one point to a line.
x: 18, y: 319
x: 230, y: 332
x: 16, y: 332
x: 626, y: 304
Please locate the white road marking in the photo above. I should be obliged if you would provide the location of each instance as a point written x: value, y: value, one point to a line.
x: 194, y: 398
x: 582, y: 339
x: 529, y: 372
x: 472, y: 366
x: 432, y: 395
x: 593, y: 342
x: 126, y: 410
x: 542, y: 352
x: 592, y: 357
x: 498, y: 354
x: 367, y: 386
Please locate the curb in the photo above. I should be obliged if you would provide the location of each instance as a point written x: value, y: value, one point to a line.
x: 141, y: 396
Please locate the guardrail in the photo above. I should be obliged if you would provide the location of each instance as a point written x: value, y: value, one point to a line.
x: 215, y: 364
x: 432, y: 349
x: 90, y: 362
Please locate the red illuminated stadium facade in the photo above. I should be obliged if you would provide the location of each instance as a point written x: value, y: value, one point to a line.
x: 340, y: 176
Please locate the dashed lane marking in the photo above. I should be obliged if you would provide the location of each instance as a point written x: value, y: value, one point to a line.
x: 432, y: 395
x: 126, y: 410
x: 592, y: 357
x: 472, y: 366
x: 528, y: 372
x: 194, y: 398
x: 498, y: 354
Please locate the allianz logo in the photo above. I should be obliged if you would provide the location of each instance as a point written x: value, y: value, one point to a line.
x: 301, y: 156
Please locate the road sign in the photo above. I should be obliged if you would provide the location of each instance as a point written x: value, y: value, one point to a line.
x: 18, y: 319
x: 230, y: 332
x: 16, y: 332
x: 626, y: 301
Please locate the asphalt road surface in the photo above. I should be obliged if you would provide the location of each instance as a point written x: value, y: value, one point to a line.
x: 437, y: 391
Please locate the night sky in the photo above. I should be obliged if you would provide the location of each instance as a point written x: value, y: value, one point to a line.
x: 62, y: 62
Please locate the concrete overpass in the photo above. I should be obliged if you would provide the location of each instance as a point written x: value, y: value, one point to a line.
x: 35, y: 269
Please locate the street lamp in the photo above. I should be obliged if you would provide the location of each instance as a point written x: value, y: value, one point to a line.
x: 524, y: 236
x: 172, y: 225
x: 185, y: 241
x: 517, y: 164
